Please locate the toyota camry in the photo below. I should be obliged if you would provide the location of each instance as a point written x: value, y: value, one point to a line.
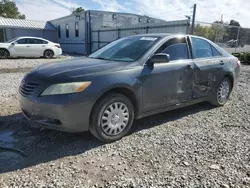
x: 128, y: 79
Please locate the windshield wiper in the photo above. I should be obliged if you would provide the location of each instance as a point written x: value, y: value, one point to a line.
x: 98, y: 58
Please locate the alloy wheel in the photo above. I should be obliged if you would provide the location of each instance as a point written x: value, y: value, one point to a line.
x: 223, y: 92
x: 4, y: 54
x: 48, y: 54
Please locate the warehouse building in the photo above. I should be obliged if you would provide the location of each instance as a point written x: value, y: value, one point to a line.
x: 85, y: 32
x: 12, y: 28
x: 75, y: 31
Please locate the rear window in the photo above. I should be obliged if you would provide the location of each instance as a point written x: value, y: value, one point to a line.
x: 201, y: 48
x: 215, y: 51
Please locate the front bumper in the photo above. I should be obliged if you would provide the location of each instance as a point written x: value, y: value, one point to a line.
x: 63, y: 117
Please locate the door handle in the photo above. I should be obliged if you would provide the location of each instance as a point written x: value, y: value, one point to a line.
x: 221, y: 62
x: 43, y: 45
x: 27, y: 46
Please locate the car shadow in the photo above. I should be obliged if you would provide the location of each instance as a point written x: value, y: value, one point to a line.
x: 23, y: 146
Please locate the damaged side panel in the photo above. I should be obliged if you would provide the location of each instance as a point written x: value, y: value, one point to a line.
x: 207, y: 73
x: 167, y: 84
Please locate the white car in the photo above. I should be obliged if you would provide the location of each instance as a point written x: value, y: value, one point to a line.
x: 29, y: 47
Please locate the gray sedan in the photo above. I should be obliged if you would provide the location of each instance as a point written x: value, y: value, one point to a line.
x: 128, y: 79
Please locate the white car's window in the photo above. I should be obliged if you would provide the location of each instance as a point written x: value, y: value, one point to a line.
x: 31, y: 41
x: 39, y: 41
x: 22, y: 41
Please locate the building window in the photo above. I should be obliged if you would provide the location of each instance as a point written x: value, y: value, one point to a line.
x: 59, y: 31
x: 67, y: 30
x: 77, y: 29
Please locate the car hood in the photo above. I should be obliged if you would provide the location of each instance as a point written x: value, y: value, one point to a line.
x: 4, y: 44
x: 74, y: 69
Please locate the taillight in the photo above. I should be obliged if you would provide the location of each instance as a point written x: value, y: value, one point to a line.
x: 238, y: 63
x: 58, y: 46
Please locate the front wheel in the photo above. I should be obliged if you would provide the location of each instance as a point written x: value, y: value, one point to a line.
x: 112, y: 118
x: 4, y: 54
x: 222, y: 94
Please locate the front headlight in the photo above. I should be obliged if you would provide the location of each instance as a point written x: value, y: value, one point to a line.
x: 65, y: 88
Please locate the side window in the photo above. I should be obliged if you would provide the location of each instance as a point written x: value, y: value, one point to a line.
x: 201, y: 48
x: 30, y: 41
x: 176, y: 48
x: 59, y: 31
x: 67, y: 30
x: 38, y: 41
x: 45, y: 42
x: 22, y: 41
x: 77, y: 29
x: 215, y: 51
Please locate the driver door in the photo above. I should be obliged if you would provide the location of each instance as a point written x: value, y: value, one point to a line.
x: 169, y: 83
x: 19, y: 47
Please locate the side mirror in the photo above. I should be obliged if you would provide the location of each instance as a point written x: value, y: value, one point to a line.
x: 159, y: 58
x: 13, y: 43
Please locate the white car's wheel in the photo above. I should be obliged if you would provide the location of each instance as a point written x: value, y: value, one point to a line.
x: 48, y: 54
x: 4, y: 54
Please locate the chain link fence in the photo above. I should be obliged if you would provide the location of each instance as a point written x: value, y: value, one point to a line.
x: 104, y: 36
x: 230, y: 37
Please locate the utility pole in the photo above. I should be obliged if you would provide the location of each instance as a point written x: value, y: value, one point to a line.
x: 193, y: 19
x: 237, y: 43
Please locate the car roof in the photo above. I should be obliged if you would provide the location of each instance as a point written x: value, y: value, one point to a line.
x: 31, y: 37
x: 163, y: 35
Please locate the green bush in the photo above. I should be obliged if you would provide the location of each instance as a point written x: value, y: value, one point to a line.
x: 243, y: 57
x: 247, y: 58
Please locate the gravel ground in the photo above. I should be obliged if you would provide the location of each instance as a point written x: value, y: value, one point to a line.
x: 18, y: 63
x: 198, y: 146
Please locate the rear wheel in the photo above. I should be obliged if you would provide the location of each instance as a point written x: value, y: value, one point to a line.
x: 112, y: 118
x: 222, y: 94
x: 48, y: 54
x: 4, y: 54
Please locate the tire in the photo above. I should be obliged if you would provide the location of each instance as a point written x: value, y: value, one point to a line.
x: 109, y: 127
x: 220, y: 97
x: 48, y: 54
x: 4, y: 54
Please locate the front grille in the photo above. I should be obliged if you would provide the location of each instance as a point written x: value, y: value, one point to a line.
x: 27, y: 88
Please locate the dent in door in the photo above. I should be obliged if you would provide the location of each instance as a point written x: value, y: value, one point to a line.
x: 205, y: 79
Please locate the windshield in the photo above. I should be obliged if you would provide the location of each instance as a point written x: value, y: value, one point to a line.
x: 12, y: 40
x: 126, y: 49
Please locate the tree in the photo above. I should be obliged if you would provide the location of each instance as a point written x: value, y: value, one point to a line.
x: 8, y: 9
x: 78, y: 10
x: 205, y: 31
x: 234, y: 30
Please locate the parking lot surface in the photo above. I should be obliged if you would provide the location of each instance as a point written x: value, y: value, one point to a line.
x: 198, y: 146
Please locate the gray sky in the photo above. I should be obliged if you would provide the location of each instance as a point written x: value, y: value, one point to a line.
x: 207, y: 10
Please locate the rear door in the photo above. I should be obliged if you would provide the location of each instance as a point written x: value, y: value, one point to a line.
x: 207, y: 67
x: 38, y: 47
